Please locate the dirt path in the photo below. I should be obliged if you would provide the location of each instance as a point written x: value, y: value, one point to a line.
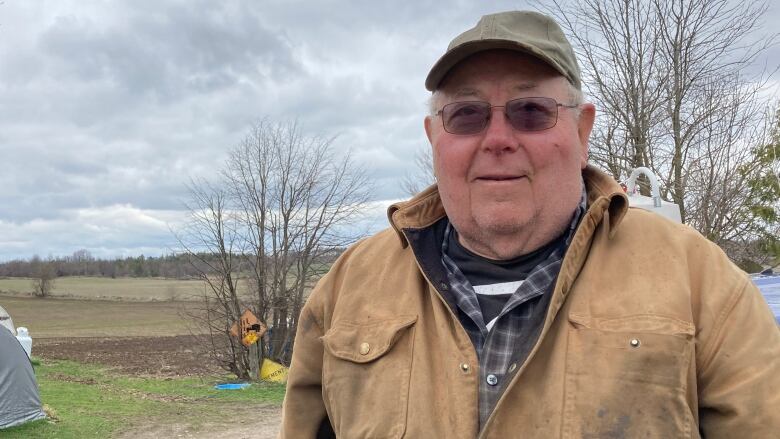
x: 265, y: 425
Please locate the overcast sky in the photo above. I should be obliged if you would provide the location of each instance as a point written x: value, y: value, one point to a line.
x: 108, y: 108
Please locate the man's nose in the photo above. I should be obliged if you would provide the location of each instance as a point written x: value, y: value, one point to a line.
x: 499, y: 134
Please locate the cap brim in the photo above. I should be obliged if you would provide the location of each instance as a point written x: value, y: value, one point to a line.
x: 459, y: 53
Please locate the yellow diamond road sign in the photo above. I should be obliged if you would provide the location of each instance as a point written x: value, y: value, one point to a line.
x: 248, y: 322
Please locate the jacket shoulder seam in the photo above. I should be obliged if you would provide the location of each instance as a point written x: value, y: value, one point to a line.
x: 708, y: 350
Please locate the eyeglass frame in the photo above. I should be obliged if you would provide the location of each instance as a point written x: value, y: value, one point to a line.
x: 490, y: 113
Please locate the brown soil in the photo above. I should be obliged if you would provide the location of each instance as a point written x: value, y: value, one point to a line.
x: 141, y: 356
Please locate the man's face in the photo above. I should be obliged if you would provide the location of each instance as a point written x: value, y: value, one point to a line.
x: 508, y: 192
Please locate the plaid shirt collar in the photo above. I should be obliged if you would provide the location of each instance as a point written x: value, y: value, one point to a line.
x: 464, y: 294
x: 510, y: 339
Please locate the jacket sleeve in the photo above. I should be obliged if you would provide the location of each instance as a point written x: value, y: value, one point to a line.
x: 303, y: 412
x: 739, y: 369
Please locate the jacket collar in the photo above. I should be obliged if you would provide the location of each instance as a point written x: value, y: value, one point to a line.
x: 605, y: 199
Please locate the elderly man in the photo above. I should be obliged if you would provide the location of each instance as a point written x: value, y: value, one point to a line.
x: 521, y: 296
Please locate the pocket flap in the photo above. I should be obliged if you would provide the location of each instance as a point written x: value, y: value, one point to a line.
x: 647, y: 323
x: 365, y: 342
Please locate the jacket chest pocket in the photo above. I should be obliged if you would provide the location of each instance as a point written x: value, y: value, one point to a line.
x: 366, y: 374
x: 627, y: 378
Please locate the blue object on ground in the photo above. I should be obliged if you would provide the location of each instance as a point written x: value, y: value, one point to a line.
x: 770, y: 288
x: 232, y: 386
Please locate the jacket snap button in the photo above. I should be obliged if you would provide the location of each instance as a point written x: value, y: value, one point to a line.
x: 634, y: 343
x: 464, y: 367
x: 364, y: 348
x: 492, y: 379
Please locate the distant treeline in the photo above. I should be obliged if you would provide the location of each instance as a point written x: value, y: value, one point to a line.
x: 82, y: 263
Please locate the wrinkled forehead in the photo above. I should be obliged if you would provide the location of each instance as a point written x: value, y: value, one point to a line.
x: 470, y: 91
x: 512, y: 70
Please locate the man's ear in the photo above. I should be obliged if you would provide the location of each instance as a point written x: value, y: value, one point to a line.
x: 584, y: 128
x: 427, y: 123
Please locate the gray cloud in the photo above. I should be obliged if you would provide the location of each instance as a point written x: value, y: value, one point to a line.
x: 168, y: 50
x: 107, y: 109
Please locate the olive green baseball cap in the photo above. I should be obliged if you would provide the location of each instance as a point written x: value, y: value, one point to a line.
x: 524, y: 31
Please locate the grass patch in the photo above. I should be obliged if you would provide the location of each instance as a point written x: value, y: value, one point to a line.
x: 202, y: 389
x: 93, y: 402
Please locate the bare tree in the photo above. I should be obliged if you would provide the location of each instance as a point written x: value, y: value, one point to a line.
x: 44, y: 275
x: 669, y: 80
x: 280, y: 208
x: 422, y: 175
x: 760, y: 186
x: 82, y: 259
x: 622, y: 63
x: 211, y: 239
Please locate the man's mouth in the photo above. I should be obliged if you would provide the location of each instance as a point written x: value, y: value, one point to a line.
x: 499, y: 177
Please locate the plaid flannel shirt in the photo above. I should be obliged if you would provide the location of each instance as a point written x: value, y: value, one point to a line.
x: 503, y: 349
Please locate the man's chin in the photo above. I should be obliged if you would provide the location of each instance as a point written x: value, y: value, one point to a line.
x: 497, y: 239
x: 500, y: 225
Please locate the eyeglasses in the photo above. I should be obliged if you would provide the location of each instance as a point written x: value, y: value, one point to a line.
x: 524, y: 114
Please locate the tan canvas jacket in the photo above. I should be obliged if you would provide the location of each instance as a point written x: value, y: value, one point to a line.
x: 651, y: 333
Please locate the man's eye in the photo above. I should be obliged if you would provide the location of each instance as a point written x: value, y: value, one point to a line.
x: 466, y: 110
x: 532, y: 108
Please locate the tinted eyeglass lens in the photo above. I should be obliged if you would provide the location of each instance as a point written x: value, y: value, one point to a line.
x: 525, y: 114
x: 532, y: 114
x: 465, y: 117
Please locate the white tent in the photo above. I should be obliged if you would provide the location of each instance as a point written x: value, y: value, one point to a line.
x: 19, y: 398
x: 5, y: 320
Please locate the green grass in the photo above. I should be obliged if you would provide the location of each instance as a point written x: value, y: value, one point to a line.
x: 93, y: 402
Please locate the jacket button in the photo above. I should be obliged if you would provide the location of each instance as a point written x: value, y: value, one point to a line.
x: 364, y: 348
x: 464, y: 367
x: 634, y: 343
x: 492, y: 379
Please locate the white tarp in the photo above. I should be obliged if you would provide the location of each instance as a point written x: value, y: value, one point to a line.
x: 770, y: 288
x: 19, y: 398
